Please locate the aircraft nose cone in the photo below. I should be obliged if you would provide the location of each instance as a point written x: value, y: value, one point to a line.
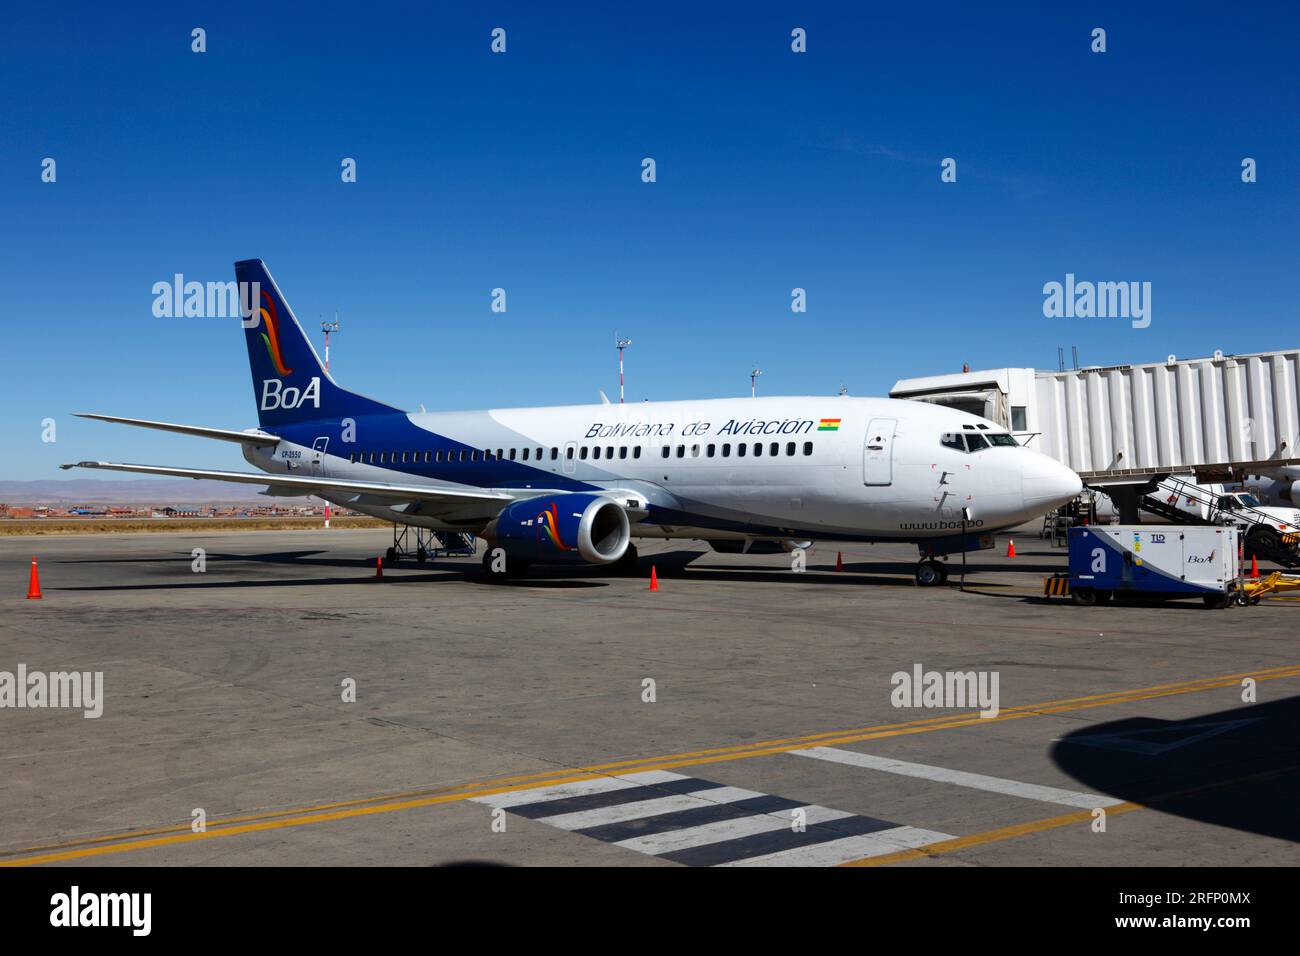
x: 1047, y: 484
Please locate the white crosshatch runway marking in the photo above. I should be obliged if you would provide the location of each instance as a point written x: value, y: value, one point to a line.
x: 699, y: 822
x: 960, y: 778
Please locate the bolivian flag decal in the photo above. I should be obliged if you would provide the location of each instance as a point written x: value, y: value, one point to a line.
x: 828, y: 425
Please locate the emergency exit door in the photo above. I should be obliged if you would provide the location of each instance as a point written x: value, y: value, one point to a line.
x: 878, y: 452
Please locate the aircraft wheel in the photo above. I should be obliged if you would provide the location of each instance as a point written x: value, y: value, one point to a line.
x: 627, y: 565
x: 391, y: 555
x: 930, y: 573
x: 422, y: 555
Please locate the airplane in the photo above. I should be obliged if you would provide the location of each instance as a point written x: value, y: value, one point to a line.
x: 575, y: 484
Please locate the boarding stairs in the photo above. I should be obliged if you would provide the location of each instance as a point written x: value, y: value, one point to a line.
x: 1260, y: 539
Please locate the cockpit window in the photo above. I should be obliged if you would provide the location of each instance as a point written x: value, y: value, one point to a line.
x: 974, y: 441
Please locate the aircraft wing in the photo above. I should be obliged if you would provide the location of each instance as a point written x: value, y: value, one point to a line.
x: 312, y: 484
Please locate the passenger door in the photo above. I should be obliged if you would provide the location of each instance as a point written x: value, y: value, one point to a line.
x: 878, y: 452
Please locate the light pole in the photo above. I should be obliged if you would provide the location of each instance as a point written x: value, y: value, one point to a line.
x: 327, y: 328
x: 620, y: 344
x: 753, y: 381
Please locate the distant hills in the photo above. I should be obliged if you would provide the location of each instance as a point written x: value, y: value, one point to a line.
x: 154, y: 491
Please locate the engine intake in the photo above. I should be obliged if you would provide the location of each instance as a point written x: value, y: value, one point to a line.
x: 556, y: 528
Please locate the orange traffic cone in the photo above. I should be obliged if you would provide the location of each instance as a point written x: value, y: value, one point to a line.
x: 1011, y: 548
x: 34, y: 587
x: 654, y: 578
x: 839, y: 560
x: 379, y: 567
x: 1254, y: 568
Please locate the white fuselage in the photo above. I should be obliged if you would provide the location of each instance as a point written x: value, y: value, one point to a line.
x: 828, y: 468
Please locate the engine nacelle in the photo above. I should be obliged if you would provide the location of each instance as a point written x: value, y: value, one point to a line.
x: 555, y: 528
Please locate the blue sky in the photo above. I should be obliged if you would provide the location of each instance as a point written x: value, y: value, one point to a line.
x: 522, y: 171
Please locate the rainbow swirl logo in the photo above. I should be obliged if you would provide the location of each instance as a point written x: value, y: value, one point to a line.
x: 548, y: 521
x: 271, y: 337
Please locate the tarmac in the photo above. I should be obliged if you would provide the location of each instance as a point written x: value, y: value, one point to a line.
x: 743, y: 714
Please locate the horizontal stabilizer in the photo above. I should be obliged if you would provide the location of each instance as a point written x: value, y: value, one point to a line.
x: 252, y: 437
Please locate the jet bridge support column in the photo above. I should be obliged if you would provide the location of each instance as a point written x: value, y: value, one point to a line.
x: 1127, y: 498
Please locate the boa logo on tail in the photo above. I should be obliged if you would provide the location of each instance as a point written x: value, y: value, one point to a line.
x: 271, y: 337
x: 548, y: 521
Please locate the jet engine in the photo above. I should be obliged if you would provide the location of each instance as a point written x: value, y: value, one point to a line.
x: 574, y: 527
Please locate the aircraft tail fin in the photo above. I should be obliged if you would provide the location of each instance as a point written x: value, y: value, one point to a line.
x: 289, y: 383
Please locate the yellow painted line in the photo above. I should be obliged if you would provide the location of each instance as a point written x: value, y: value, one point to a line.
x: 302, y: 816
x: 1052, y: 823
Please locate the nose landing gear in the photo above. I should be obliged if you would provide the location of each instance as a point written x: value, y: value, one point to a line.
x: 931, y: 573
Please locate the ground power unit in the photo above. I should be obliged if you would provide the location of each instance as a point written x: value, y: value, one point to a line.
x: 1159, y: 560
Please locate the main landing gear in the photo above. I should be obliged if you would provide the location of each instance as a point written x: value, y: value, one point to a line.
x: 626, y: 565
x: 931, y: 573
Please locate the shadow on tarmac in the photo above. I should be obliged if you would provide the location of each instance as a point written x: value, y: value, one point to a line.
x: 1237, y: 768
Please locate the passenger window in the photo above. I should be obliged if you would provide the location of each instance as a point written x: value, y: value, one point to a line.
x: 526, y: 454
x: 568, y: 453
x: 622, y: 451
x: 695, y: 451
x: 403, y: 458
x: 775, y: 449
x: 758, y: 448
x: 807, y: 448
x: 555, y: 453
x: 681, y: 451
x: 710, y: 450
x: 582, y: 453
x: 726, y: 451
x: 595, y: 452
x: 740, y: 450
x: 383, y: 457
x: 636, y: 452
x: 667, y: 451
x: 539, y: 453
x: 609, y: 451
x: 789, y: 448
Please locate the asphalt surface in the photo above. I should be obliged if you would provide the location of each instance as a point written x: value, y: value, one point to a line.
x: 744, y: 713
